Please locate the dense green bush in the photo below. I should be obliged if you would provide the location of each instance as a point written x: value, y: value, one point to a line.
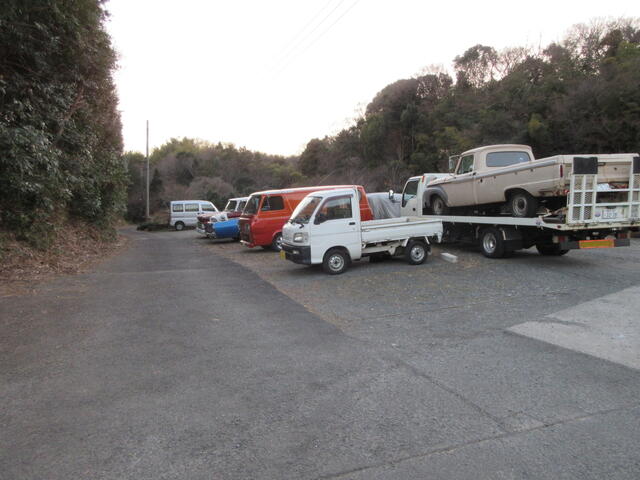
x: 60, y: 131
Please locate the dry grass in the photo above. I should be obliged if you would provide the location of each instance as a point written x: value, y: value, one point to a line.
x: 75, y: 248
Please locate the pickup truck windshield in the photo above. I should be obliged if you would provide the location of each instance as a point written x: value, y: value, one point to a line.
x: 230, y: 207
x: 251, y: 208
x: 504, y: 159
x: 304, y: 210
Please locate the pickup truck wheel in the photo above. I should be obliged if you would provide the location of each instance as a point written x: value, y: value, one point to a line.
x: 438, y: 206
x: 415, y: 252
x: 179, y: 226
x: 335, y: 261
x: 523, y: 204
x: 551, y: 250
x: 276, y: 244
x: 492, y: 243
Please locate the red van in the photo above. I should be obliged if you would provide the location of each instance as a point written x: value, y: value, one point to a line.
x: 266, y: 212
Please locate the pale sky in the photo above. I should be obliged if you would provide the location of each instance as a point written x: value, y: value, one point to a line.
x: 272, y: 75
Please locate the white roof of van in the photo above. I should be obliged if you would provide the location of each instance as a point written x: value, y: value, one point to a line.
x: 187, y: 201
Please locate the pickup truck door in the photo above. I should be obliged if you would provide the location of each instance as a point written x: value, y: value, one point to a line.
x: 410, y: 199
x: 461, y: 188
x: 336, y: 223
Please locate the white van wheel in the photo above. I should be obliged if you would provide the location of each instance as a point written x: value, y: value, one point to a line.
x: 179, y: 226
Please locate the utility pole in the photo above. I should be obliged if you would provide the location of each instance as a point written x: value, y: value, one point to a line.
x: 147, y: 169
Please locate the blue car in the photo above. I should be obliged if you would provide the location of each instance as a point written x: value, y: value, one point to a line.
x: 227, y: 229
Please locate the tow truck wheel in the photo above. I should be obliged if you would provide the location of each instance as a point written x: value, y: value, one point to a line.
x: 335, y: 261
x: 276, y: 244
x: 438, y: 207
x: 416, y: 252
x: 551, y: 250
x: 492, y: 243
x: 523, y: 204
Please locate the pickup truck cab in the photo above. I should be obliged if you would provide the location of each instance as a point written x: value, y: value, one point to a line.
x: 327, y: 228
x: 507, y: 179
x: 234, y: 206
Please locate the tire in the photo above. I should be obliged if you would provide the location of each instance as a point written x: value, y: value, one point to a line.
x: 276, y: 243
x: 179, y: 226
x: 492, y: 243
x: 335, y: 261
x: 552, y: 250
x: 438, y: 206
x: 523, y: 205
x: 416, y: 252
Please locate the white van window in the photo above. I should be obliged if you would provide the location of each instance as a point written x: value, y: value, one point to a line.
x: 178, y: 207
x: 191, y: 207
x: 208, y: 207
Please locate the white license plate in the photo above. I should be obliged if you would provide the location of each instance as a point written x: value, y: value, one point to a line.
x: 609, y: 214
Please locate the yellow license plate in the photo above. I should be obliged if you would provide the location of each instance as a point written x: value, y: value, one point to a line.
x: 608, y: 243
x: 282, y: 254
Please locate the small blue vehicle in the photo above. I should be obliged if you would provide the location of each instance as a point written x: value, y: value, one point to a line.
x: 227, y: 229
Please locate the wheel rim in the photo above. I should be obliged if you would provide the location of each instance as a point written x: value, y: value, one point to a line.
x: 417, y: 253
x: 179, y: 226
x: 336, y: 262
x: 519, y: 205
x: 489, y: 242
x: 279, y: 242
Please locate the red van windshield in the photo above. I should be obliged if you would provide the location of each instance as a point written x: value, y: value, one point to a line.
x: 251, y: 208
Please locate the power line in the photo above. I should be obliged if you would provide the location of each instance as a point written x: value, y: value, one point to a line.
x: 322, y: 34
x: 295, y: 37
x: 301, y: 42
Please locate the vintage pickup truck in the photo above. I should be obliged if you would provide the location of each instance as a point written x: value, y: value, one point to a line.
x: 507, y: 179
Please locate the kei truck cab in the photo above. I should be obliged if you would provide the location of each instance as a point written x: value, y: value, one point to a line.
x: 266, y: 212
x: 326, y: 229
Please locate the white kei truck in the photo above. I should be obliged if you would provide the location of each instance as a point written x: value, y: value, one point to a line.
x: 596, y: 212
x: 325, y: 228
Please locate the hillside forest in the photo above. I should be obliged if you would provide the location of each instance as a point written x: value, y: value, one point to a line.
x: 581, y: 95
x: 61, y: 140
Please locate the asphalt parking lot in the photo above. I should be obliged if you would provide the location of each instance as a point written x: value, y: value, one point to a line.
x: 186, y: 358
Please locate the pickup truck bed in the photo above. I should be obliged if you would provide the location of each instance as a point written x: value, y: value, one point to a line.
x: 392, y: 229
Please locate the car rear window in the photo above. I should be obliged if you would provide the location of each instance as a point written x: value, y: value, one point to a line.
x: 504, y: 159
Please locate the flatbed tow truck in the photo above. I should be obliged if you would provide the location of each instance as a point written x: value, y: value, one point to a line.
x: 596, y: 216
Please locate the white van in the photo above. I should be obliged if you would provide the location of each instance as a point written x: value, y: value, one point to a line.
x: 184, y: 213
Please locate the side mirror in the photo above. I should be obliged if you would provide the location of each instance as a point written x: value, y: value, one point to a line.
x: 320, y: 218
x: 391, y: 195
